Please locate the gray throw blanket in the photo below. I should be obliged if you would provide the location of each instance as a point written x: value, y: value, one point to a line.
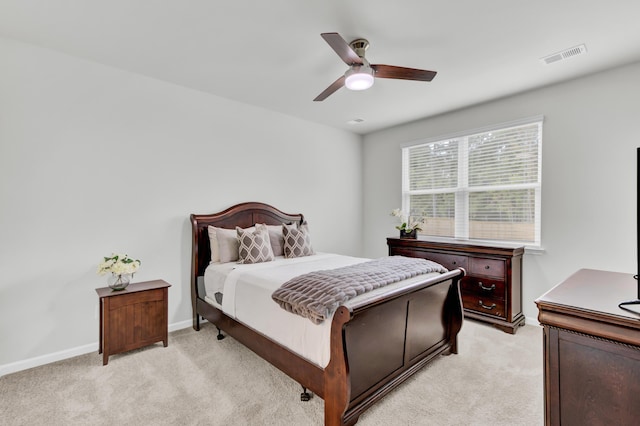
x: 318, y: 294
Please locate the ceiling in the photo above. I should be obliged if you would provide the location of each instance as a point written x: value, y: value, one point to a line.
x: 270, y: 53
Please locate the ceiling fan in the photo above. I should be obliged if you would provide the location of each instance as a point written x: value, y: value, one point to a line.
x: 361, y: 73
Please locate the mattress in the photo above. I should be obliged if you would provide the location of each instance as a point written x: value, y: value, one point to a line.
x: 246, y: 296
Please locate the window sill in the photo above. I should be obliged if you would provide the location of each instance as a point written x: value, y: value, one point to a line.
x: 534, y: 250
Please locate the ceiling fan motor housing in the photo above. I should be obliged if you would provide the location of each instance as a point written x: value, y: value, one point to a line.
x: 359, y: 46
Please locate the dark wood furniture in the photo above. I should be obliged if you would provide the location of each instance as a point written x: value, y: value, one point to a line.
x: 375, y: 346
x: 133, y: 317
x: 491, y: 289
x: 591, y: 350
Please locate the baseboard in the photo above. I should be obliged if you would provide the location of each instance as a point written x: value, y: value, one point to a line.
x: 14, y: 367
x: 47, y: 359
x: 180, y: 325
x: 531, y: 321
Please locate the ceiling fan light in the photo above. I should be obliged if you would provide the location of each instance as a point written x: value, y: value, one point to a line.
x: 359, y: 78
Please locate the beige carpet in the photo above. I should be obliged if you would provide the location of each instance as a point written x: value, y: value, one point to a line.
x: 496, y: 379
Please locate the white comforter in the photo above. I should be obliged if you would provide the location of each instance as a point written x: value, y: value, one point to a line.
x: 247, y: 293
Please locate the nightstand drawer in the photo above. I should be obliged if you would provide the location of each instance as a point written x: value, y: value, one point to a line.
x: 133, y: 298
x: 484, y: 305
x: 483, y: 287
x: 487, y: 267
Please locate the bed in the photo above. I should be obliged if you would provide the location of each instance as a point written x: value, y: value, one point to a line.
x: 373, y: 342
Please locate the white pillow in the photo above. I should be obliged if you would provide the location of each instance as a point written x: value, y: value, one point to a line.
x: 277, y: 239
x: 224, y: 244
x: 213, y: 244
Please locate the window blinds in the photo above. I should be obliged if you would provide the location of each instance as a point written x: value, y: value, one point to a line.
x: 484, y: 185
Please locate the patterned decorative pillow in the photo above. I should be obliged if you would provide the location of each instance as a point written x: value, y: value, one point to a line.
x: 297, y: 241
x: 254, y: 246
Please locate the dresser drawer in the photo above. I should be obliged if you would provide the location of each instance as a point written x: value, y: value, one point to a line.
x: 486, y: 267
x: 483, y: 287
x: 408, y: 252
x: 449, y: 261
x: 484, y: 305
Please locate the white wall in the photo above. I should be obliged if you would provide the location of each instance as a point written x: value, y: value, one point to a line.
x: 95, y: 159
x: 589, y: 174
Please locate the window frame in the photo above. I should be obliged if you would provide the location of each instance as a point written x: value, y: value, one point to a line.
x: 462, y: 190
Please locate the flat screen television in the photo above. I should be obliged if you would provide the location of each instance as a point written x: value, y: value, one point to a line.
x: 637, y: 300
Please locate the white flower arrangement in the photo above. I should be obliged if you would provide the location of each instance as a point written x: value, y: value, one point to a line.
x: 407, y: 223
x: 118, y: 264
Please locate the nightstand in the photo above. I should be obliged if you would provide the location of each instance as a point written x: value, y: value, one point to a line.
x: 133, y: 317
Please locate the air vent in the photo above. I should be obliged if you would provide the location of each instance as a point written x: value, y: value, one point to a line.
x: 565, y: 54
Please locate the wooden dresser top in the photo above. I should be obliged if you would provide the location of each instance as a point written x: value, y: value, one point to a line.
x: 587, y: 302
x: 461, y: 246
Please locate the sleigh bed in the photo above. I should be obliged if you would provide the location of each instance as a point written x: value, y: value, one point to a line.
x: 374, y: 341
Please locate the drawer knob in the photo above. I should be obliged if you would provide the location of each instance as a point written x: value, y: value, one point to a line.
x: 486, y: 267
x: 493, y: 305
x: 493, y: 286
x: 454, y: 263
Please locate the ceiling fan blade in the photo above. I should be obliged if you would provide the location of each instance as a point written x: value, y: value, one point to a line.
x: 402, y: 73
x: 342, y: 48
x: 332, y: 88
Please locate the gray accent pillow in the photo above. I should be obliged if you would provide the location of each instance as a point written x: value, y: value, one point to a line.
x: 227, y: 244
x: 297, y: 241
x: 254, y: 246
x: 277, y: 239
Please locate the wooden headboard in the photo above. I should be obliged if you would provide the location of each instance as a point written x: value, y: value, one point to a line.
x: 243, y: 215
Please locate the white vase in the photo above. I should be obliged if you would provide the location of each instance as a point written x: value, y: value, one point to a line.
x: 119, y: 281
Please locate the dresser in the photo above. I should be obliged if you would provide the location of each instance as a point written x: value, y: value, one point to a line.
x: 492, y: 288
x: 591, y: 350
x: 133, y: 317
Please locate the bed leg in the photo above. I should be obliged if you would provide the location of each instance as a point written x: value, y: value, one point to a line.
x: 196, y: 322
x: 305, y: 396
x: 220, y: 336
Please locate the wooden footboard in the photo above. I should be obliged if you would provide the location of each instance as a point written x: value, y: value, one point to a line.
x: 375, y: 345
x: 378, y: 345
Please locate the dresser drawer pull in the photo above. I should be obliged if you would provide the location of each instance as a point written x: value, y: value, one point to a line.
x: 487, y: 267
x: 493, y: 305
x: 493, y: 286
x: 454, y: 263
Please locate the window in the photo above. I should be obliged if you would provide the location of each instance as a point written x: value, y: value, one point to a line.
x: 481, y: 185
